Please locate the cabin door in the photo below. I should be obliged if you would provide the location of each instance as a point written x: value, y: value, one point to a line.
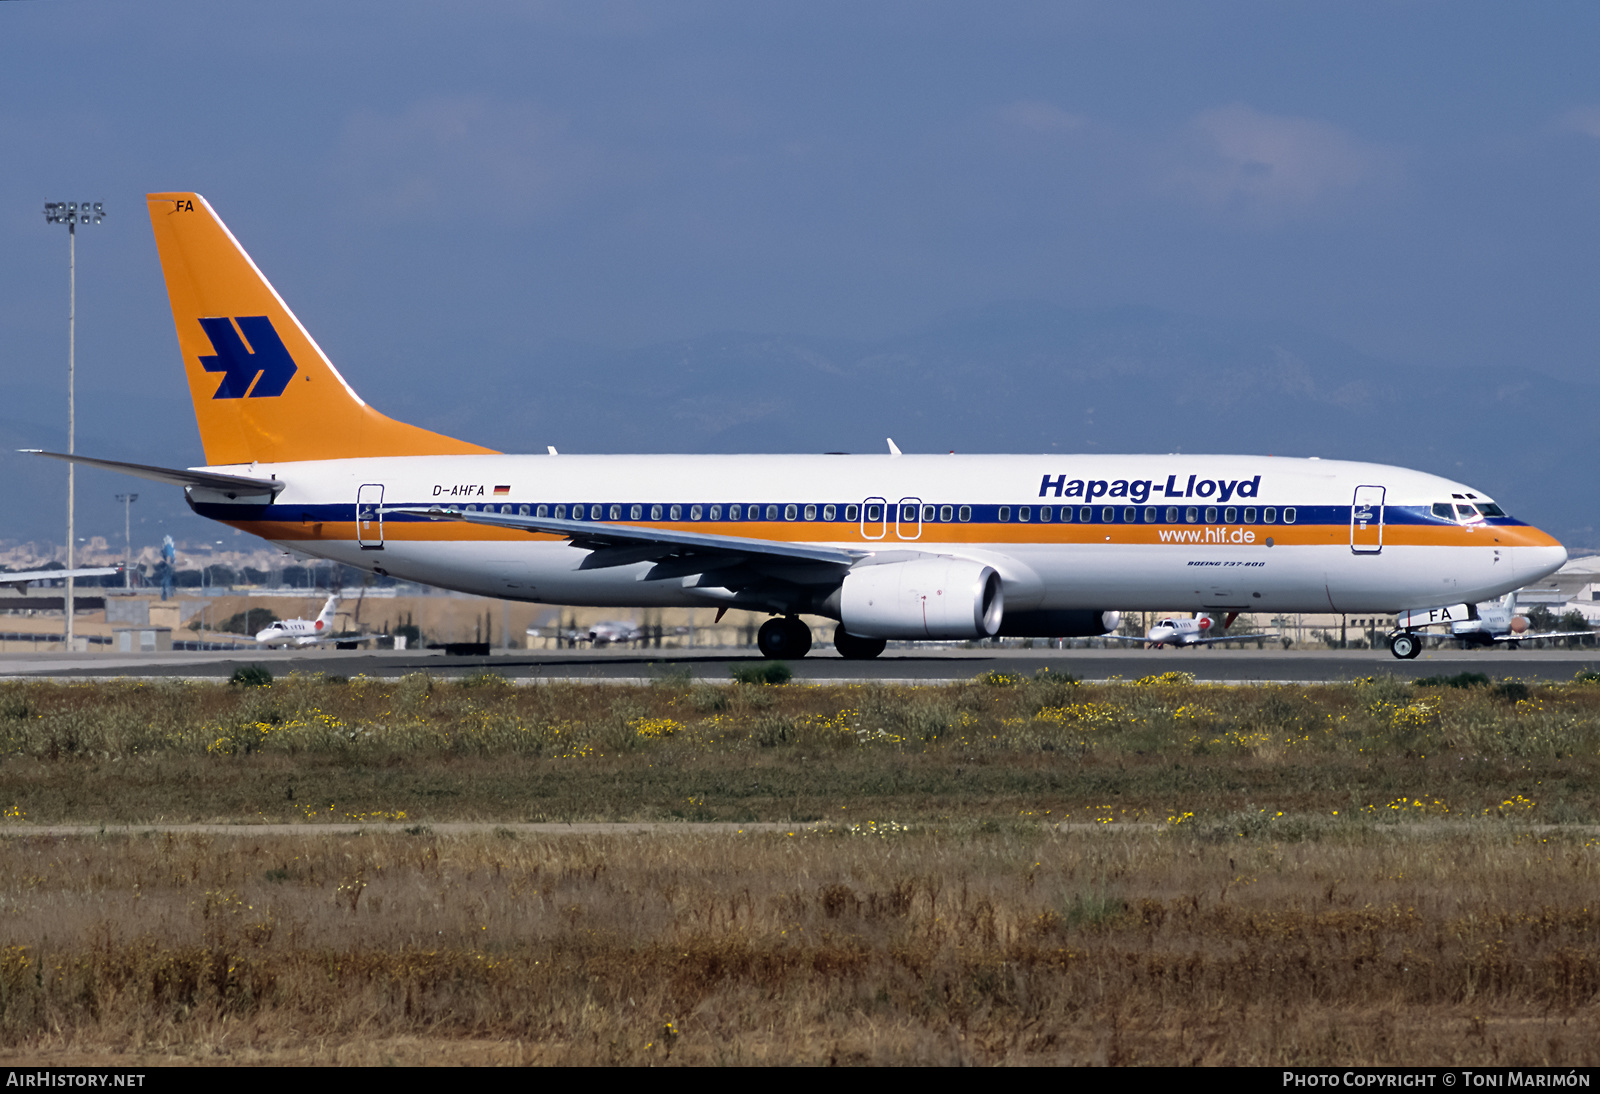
x: 369, y: 517
x: 1366, y: 520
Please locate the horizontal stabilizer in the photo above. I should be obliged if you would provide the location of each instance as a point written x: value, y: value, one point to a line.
x: 231, y: 485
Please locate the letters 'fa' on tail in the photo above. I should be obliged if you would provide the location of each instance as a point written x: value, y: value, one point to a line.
x: 263, y: 390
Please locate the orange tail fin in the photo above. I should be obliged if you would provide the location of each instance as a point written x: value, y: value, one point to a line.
x: 263, y: 390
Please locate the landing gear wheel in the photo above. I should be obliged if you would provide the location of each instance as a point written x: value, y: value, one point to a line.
x: 853, y: 648
x: 780, y: 638
x: 1404, y: 645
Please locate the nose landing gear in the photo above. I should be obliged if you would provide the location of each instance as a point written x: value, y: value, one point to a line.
x: 1404, y: 645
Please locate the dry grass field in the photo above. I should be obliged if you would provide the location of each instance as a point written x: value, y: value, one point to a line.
x: 1011, y: 871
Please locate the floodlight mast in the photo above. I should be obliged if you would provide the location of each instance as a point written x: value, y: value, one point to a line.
x: 72, y: 214
x: 127, y: 501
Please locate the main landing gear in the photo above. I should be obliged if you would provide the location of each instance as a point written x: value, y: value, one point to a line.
x: 783, y: 638
x: 1404, y: 645
x: 854, y: 648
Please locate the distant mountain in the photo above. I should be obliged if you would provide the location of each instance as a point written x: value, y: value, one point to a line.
x: 1036, y: 378
x: 1010, y: 378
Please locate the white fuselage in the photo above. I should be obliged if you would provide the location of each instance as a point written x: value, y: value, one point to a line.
x: 1175, y: 532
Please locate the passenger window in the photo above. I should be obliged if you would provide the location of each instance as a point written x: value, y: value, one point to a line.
x: 851, y: 512
x: 927, y: 512
x: 542, y: 511
x: 1150, y: 515
x: 1288, y: 515
x: 636, y: 513
x: 522, y: 510
x: 1130, y: 515
x: 1211, y: 514
x: 1024, y: 513
x: 811, y: 512
x: 696, y: 512
x: 908, y: 514
x: 1191, y: 514
x: 1230, y: 515
x: 616, y: 512
x: 1250, y: 515
x: 472, y: 508
x: 1005, y: 512
x: 561, y: 512
x: 1086, y: 515
x: 1172, y: 514
x: 830, y: 512
x: 874, y: 513
x: 733, y: 512
x: 1108, y: 515
x: 945, y: 513
x: 675, y: 513
x: 772, y: 512
x: 1269, y: 515
x: 1044, y: 514
x: 1066, y: 514
x: 655, y: 512
x: 790, y: 512
x: 965, y: 512
x: 716, y: 512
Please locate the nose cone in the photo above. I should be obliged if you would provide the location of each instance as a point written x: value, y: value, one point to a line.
x: 1536, y: 562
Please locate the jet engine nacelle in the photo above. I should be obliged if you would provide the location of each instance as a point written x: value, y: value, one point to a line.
x: 924, y: 598
x: 1056, y: 623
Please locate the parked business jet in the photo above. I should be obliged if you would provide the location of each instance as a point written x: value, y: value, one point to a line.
x: 891, y: 546
x: 1178, y: 631
x: 1483, y: 624
x: 311, y: 632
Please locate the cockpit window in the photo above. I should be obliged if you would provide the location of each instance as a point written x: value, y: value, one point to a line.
x: 1467, y: 513
x: 1443, y: 511
x: 1490, y: 509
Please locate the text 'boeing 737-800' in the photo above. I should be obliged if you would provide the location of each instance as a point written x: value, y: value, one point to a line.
x: 892, y: 546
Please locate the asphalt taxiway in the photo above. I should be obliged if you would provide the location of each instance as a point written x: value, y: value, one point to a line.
x: 926, y: 666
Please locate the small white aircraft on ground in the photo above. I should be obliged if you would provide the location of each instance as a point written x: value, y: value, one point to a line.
x: 1476, y: 624
x: 1179, y: 631
x: 311, y: 632
x: 613, y: 630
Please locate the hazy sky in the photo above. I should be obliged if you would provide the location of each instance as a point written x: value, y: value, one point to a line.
x: 1421, y: 180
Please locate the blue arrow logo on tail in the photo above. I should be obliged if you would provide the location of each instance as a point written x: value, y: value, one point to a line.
x: 239, y: 366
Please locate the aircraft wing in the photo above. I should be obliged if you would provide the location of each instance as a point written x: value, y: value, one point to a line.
x: 760, y: 574
x: 623, y: 545
x: 1526, y: 637
x: 18, y: 580
x: 231, y: 485
x: 1227, y: 638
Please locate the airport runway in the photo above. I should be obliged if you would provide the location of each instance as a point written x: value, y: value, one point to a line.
x: 898, y: 666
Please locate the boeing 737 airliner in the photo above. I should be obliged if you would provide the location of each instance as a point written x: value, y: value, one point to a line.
x: 891, y: 546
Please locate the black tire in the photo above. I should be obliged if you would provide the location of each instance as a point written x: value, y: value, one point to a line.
x: 780, y: 639
x: 1405, y: 645
x: 852, y: 648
